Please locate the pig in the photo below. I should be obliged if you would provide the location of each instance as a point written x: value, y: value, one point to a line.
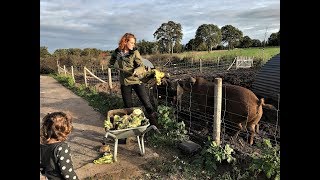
x: 241, y: 104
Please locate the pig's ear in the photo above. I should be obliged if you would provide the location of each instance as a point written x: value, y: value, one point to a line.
x: 192, y: 80
x: 164, y: 81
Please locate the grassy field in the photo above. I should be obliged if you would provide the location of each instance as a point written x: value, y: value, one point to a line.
x: 257, y: 53
x: 264, y: 54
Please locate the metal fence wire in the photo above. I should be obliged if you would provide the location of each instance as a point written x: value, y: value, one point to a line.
x: 197, y: 116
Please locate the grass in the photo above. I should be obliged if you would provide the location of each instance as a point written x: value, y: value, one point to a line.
x: 257, y: 53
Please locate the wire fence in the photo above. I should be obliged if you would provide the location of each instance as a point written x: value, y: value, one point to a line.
x: 197, y: 115
x: 175, y: 69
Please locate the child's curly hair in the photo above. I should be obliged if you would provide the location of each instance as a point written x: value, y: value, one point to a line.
x: 56, y: 125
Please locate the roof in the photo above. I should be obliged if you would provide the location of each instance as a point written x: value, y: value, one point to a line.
x: 147, y: 63
x: 267, y: 80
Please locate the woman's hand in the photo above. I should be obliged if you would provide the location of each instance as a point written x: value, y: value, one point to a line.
x: 139, y: 72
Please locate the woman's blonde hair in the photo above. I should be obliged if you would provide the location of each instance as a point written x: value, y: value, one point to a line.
x: 56, y: 125
x: 125, y: 38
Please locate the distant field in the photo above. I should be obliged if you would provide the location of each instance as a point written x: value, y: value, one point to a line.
x: 257, y: 53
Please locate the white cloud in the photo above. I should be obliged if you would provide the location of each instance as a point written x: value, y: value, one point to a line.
x: 100, y: 23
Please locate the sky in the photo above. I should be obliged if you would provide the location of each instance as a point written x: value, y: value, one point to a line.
x: 101, y: 23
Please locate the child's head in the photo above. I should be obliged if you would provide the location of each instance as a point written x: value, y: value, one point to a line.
x: 56, y: 125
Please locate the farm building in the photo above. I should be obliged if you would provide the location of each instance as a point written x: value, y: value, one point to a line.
x: 267, y: 80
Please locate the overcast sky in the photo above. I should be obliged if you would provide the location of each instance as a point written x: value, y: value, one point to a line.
x: 100, y: 23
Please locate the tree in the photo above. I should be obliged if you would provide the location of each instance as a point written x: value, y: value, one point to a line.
x: 169, y: 34
x: 44, y: 53
x: 146, y: 47
x: 274, y: 39
x: 209, y: 34
x: 191, y: 45
x: 60, y: 53
x: 163, y: 46
x: 279, y: 37
x: 246, y: 42
x: 178, y: 48
x: 142, y: 47
x: 231, y: 35
x: 256, y: 43
x: 85, y: 52
x: 201, y: 47
x: 91, y: 52
x: 74, y: 51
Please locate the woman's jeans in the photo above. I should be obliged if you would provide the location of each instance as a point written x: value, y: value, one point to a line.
x: 140, y: 90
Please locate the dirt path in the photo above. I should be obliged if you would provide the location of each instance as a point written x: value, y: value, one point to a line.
x: 87, y: 135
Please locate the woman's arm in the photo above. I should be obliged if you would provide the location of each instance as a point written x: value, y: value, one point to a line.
x: 138, y: 58
x: 113, y: 58
x: 139, y: 67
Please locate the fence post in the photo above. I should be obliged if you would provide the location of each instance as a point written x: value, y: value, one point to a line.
x: 217, y: 110
x: 252, y: 61
x: 200, y: 65
x: 64, y: 68
x: 58, y: 68
x: 72, y: 74
x: 102, y: 67
x: 85, y: 76
x: 109, y: 78
x: 237, y: 61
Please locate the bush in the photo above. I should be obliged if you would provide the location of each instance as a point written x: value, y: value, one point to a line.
x: 172, y: 131
x: 258, y: 63
x: 48, y: 66
x: 268, y: 161
x: 212, y: 154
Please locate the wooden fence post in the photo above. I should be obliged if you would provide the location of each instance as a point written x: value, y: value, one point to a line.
x: 72, y: 74
x: 109, y: 78
x: 217, y: 110
x: 85, y: 76
x: 58, y: 68
x: 64, y: 68
x: 237, y: 61
x: 200, y: 65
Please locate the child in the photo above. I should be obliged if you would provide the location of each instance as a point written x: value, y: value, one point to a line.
x: 55, y: 159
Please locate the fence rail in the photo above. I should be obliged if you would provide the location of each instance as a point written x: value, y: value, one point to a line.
x: 102, y: 74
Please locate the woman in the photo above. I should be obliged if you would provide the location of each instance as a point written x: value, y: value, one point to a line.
x: 131, y: 69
